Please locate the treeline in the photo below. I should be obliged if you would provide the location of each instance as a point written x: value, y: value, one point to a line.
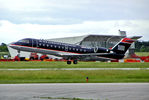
x: 3, y: 47
x: 142, y: 46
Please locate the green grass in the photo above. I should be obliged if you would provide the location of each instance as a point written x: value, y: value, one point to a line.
x: 142, y: 53
x: 4, y: 53
x: 70, y: 76
x: 59, y: 76
x: 42, y: 64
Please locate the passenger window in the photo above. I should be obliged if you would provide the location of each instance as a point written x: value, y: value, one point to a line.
x: 40, y: 41
x: 74, y: 49
x: 24, y: 41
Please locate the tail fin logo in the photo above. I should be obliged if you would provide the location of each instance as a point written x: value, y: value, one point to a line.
x: 121, y: 47
x: 127, y: 40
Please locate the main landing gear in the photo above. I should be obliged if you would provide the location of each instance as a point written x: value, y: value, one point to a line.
x: 74, y: 62
x: 69, y: 62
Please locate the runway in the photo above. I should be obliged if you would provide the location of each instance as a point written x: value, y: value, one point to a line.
x: 95, y: 91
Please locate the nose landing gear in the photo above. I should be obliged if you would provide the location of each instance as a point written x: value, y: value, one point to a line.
x: 18, y: 53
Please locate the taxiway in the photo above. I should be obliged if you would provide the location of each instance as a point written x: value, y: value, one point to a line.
x: 95, y: 91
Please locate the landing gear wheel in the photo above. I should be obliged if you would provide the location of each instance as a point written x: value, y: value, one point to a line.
x: 18, y: 51
x: 75, y: 62
x: 68, y: 62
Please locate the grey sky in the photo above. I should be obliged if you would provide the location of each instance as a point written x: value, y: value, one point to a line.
x: 65, y: 15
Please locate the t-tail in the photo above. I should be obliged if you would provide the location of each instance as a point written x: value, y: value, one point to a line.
x: 122, y: 46
x: 119, y: 50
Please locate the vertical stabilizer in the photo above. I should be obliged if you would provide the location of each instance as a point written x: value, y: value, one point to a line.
x: 122, y: 46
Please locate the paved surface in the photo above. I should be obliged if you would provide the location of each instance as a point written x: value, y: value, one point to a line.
x: 100, y: 91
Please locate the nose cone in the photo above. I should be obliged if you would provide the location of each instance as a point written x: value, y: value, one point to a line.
x: 13, y: 45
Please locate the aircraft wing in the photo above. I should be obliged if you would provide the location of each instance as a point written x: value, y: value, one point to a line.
x: 85, y: 55
x: 89, y: 56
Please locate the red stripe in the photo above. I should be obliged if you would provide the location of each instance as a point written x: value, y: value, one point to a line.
x: 45, y: 49
x: 127, y: 40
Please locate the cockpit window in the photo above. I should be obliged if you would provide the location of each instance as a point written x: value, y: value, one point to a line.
x: 24, y: 41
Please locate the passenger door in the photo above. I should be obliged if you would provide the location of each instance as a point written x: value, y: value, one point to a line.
x: 34, y: 43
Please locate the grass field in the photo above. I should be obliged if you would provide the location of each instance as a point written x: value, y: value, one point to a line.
x: 4, y: 53
x: 59, y: 76
x: 142, y: 53
x: 36, y: 64
x: 70, y: 76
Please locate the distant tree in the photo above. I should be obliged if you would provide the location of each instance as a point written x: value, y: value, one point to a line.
x: 142, y: 46
x: 3, y: 44
x: 3, y: 47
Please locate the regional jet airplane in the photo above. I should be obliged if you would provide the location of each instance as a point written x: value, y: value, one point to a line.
x: 72, y: 52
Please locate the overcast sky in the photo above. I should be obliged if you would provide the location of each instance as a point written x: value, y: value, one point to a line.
x: 64, y: 18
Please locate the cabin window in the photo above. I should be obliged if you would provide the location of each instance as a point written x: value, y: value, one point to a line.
x: 43, y: 44
x: 74, y: 49
x: 69, y: 48
x: 59, y: 47
x: 40, y: 40
x: 47, y: 45
x: 84, y: 50
x: 24, y: 41
x: 81, y: 50
x: 51, y: 46
x: 77, y: 49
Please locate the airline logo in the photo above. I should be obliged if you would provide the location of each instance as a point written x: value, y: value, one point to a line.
x: 127, y: 40
x: 121, y: 47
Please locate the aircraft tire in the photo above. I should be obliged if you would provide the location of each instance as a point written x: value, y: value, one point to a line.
x: 68, y: 62
x: 75, y: 62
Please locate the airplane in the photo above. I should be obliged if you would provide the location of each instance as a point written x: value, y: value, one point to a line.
x: 72, y: 52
